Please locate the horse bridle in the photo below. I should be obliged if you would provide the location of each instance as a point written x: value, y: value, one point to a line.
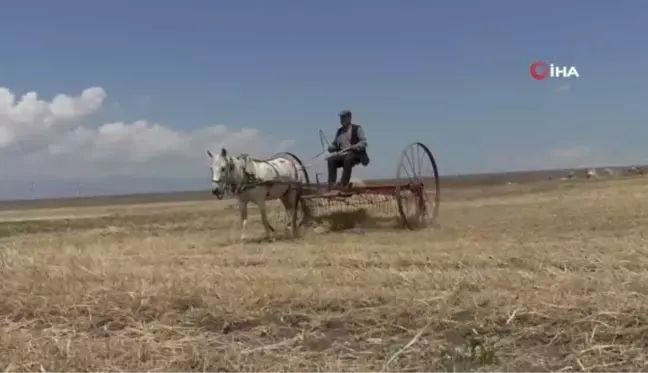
x: 229, y: 167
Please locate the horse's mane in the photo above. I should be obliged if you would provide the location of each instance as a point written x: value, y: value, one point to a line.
x: 240, y: 157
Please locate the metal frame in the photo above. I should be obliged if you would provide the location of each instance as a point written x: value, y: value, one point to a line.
x: 416, y: 186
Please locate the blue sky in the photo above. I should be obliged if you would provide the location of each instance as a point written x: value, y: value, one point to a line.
x: 451, y: 74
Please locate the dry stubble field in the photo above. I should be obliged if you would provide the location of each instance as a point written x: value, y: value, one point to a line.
x: 519, y: 277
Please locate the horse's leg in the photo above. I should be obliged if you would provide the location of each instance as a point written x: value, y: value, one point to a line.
x: 260, y: 200
x: 287, y: 201
x: 243, y: 205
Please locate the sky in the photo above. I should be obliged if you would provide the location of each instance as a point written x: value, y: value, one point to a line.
x: 125, y: 96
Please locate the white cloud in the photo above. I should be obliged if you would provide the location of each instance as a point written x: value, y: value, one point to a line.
x: 30, y: 118
x: 41, y: 139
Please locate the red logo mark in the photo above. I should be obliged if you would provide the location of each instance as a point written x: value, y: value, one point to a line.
x: 539, y: 70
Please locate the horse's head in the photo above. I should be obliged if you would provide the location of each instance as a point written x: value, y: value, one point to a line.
x: 222, y: 170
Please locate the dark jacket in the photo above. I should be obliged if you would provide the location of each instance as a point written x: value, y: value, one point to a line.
x: 358, y: 140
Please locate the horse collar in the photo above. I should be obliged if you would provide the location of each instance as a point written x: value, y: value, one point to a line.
x: 230, y: 163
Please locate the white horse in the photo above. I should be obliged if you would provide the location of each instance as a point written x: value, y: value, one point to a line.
x: 255, y: 181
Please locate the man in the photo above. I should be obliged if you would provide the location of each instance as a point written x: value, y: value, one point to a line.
x: 350, y: 137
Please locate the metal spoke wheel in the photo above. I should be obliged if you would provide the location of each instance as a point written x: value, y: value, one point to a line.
x: 418, y: 202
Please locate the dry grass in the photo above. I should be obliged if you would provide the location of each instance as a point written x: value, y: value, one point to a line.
x: 516, y: 278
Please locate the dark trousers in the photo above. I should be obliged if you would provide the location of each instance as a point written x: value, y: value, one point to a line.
x: 346, y: 161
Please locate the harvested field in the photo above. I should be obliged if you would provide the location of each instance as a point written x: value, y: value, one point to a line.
x: 528, y: 277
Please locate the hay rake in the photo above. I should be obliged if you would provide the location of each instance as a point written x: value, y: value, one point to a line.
x: 417, y: 177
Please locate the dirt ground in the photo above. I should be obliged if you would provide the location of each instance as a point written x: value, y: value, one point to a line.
x: 521, y: 277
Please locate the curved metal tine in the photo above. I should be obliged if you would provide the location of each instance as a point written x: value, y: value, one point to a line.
x: 324, y: 142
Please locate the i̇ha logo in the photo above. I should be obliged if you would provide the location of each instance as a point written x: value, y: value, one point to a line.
x: 541, y: 70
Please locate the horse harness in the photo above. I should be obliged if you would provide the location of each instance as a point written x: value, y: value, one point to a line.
x: 250, y: 179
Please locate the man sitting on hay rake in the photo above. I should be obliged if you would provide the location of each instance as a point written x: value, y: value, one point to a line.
x: 349, y: 147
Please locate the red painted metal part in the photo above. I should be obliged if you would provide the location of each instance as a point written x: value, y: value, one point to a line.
x: 322, y: 191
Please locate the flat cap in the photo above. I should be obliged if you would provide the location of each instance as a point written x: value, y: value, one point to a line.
x: 344, y: 113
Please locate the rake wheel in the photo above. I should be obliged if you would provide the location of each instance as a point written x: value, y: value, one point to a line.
x: 418, y: 166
